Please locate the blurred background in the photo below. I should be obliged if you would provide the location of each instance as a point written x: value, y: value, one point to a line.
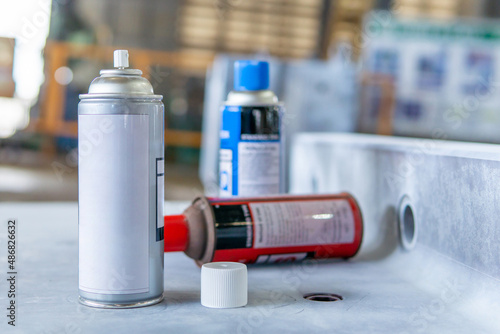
x: 419, y: 68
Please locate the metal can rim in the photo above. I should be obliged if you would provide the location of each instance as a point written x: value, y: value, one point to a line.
x: 121, y: 96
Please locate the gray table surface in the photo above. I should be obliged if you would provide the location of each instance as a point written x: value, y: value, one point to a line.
x: 380, y: 296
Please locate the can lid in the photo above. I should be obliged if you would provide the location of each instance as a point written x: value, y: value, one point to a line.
x: 120, y: 81
x: 224, y: 285
x: 251, y: 75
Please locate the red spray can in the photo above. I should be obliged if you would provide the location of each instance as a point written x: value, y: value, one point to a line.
x: 271, y: 229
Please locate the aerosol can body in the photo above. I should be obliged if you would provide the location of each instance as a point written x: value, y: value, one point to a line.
x: 268, y: 229
x: 121, y: 168
x: 251, y: 161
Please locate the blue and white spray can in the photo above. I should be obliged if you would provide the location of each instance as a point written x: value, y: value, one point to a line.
x: 251, y: 161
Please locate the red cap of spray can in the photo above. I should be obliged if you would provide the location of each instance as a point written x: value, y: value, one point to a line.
x: 177, y: 236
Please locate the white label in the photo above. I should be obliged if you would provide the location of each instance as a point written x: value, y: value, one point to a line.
x: 258, y: 168
x: 160, y: 192
x: 225, y: 155
x: 160, y: 166
x: 226, y: 173
x: 302, y: 223
x: 160, y: 195
x: 114, y: 204
x: 281, y: 258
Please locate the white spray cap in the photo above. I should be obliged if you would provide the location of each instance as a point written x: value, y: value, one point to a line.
x: 120, y: 58
x: 224, y: 285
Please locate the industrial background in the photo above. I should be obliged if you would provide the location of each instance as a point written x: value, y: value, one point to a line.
x: 51, y: 51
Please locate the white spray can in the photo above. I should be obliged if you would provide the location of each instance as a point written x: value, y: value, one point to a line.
x: 120, y: 178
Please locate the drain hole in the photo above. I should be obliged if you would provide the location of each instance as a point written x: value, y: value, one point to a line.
x: 407, y: 224
x: 323, y: 297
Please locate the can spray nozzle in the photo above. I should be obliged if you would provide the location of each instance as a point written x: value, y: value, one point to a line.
x: 177, y: 238
x: 120, y: 59
x: 251, y: 75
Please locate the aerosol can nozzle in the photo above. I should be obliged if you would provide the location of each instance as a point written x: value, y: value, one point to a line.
x: 121, y: 58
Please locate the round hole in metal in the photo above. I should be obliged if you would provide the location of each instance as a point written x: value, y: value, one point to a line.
x: 323, y: 297
x: 408, y: 229
x: 409, y: 224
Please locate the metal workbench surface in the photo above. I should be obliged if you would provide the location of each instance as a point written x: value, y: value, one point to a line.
x: 388, y: 294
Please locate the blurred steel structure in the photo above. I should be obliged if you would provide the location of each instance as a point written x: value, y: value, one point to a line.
x: 278, y: 27
x: 440, y: 9
x: 345, y: 24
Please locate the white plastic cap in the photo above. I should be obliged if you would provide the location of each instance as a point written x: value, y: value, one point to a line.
x: 120, y: 58
x: 224, y: 285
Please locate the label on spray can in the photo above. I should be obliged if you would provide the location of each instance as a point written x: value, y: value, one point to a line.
x: 250, y: 151
x: 292, y: 230
x: 300, y: 224
x: 115, y: 260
